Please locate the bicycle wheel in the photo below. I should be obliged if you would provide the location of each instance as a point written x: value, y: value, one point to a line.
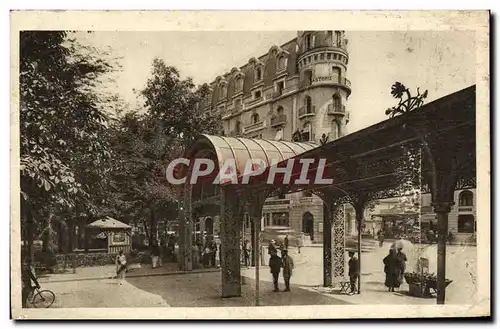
x: 43, y: 299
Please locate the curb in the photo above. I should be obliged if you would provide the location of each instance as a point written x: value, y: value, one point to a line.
x: 132, y: 276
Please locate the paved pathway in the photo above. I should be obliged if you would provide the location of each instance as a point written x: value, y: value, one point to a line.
x: 204, y: 290
x: 460, y: 267
x: 102, y: 293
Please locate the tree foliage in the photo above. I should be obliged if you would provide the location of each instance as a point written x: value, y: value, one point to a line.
x: 63, y: 155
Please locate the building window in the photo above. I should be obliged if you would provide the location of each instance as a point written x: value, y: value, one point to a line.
x: 280, y: 219
x: 466, y: 224
x: 308, y: 41
x: 258, y: 74
x: 268, y: 219
x: 255, y: 118
x: 306, y: 132
x: 308, y: 104
x: 281, y: 63
x: 279, y: 86
x: 336, y: 73
x: 223, y: 91
x: 466, y: 199
x: 330, y: 37
x: 280, y: 110
x: 338, y: 38
x: 238, y: 127
x: 239, y: 83
x: 257, y: 94
x: 337, y: 102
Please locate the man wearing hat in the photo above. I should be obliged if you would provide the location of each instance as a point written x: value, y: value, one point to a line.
x: 288, y: 266
x: 353, y: 271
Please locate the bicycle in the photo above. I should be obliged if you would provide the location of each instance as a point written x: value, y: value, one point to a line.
x: 42, y: 298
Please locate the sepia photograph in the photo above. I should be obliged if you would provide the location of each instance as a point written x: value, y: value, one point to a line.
x: 218, y: 169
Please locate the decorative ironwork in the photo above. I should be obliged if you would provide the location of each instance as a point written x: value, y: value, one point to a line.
x: 231, y: 220
x: 466, y: 183
x: 399, y: 90
x: 339, y: 243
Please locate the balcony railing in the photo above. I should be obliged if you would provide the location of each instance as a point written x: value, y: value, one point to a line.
x: 304, y: 111
x: 336, y: 109
x: 255, y: 100
x: 277, y: 93
x: 254, y: 126
x: 465, y: 208
x: 332, y: 79
x: 278, y: 120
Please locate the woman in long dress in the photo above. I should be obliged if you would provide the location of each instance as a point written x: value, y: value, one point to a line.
x: 392, y: 269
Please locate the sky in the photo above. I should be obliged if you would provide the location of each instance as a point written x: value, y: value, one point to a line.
x: 440, y: 61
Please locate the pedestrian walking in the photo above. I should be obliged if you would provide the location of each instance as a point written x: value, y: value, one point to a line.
x: 301, y: 241
x: 121, y: 267
x: 246, y: 252
x: 195, y: 252
x: 353, y: 272
x: 402, y: 259
x: 213, y: 253
x: 155, y: 254
x: 272, y: 248
x: 381, y: 238
x: 286, y: 242
x: 287, y: 264
x: 392, y: 270
x: 275, y: 266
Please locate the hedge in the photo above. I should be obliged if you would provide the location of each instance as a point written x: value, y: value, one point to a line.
x: 57, y: 263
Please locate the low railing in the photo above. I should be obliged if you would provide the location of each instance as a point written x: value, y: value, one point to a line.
x: 277, y: 202
x: 334, y: 109
x: 465, y: 208
x: 304, y: 111
x: 278, y: 120
x: 306, y: 199
x: 254, y: 126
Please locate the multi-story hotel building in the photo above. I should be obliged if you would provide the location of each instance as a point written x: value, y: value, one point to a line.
x: 297, y: 91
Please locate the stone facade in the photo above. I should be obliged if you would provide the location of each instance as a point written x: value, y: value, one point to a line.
x: 296, y: 91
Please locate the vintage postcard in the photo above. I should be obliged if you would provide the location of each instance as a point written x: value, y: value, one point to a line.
x: 250, y: 165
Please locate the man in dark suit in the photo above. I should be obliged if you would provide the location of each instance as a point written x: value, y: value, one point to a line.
x: 353, y: 271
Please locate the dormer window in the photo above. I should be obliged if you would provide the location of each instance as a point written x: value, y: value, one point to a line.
x: 282, y: 63
x: 258, y: 73
x: 222, y: 91
x: 239, y: 83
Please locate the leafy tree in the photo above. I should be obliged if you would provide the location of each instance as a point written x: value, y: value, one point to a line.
x: 63, y: 155
x: 174, y: 102
x: 144, y: 144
